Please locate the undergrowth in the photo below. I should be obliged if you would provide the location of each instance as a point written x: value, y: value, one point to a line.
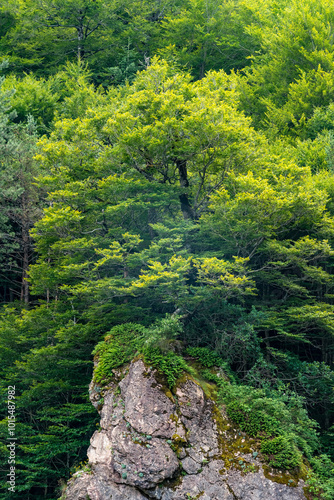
x: 156, y: 345
x: 119, y: 347
x: 321, y: 478
x: 278, y: 418
x: 205, y: 356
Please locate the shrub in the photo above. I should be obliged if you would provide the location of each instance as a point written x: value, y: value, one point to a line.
x: 170, y: 364
x: 321, y: 480
x: 276, y: 417
x: 126, y: 341
x: 205, y: 356
x: 119, y: 347
x: 281, y: 452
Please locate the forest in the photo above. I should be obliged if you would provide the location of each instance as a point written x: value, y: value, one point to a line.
x: 167, y: 168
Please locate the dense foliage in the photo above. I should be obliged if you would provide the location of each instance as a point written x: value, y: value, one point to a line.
x: 166, y: 184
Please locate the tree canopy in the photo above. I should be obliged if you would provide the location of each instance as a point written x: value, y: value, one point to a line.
x: 168, y: 165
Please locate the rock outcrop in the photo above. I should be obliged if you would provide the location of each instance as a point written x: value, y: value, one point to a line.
x: 153, y: 444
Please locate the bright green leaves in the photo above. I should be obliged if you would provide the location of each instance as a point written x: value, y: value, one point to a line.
x: 161, y: 145
x: 165, y: 130
x: 167, y: 279
x: 120, y: 255
x: 210, y: 34
x: 293, y: 73
x: 121, y: 174
x: 36, y: 97
x: 261, y: 209
x: 166, y: 282
x: 227, y: 278
x: 181, y: 133
x: 56, y: 224
x: 68, y: 153
x: 63, y: 257
x: 280, y: 224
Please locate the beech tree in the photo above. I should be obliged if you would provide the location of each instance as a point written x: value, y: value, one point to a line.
x: 193, y: 203
x: 114, y: 36
x: 204, y: 35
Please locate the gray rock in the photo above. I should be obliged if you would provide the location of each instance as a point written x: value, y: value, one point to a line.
x: 145, y: 464
x: 95, y: 487
x: 145, y: 434
x: 257, y: 487
x: 147, y: 407
x: 190, y: 466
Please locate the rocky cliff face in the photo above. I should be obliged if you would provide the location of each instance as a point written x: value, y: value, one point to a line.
x: 164, y: 446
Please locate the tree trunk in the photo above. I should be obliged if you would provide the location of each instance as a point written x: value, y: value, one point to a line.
x: 26, y: 252
x: 203, y: 63
x: 186, y: 207
x: 81, y: 38
x: 267, y: 344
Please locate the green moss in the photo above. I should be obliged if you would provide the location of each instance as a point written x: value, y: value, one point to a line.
x: 189, y: 496
x: 229, y: 445
x: 178, y: 438
x: 174, y: 418
x: 289, y: 478
x: 209, y: 387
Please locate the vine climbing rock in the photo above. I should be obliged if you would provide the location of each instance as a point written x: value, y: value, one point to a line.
x: 153, y: 443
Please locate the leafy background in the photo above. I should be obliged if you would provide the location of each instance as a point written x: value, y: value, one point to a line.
x: 169, y: 165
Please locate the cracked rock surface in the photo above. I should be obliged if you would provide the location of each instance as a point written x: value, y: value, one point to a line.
x: 153, y: 444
